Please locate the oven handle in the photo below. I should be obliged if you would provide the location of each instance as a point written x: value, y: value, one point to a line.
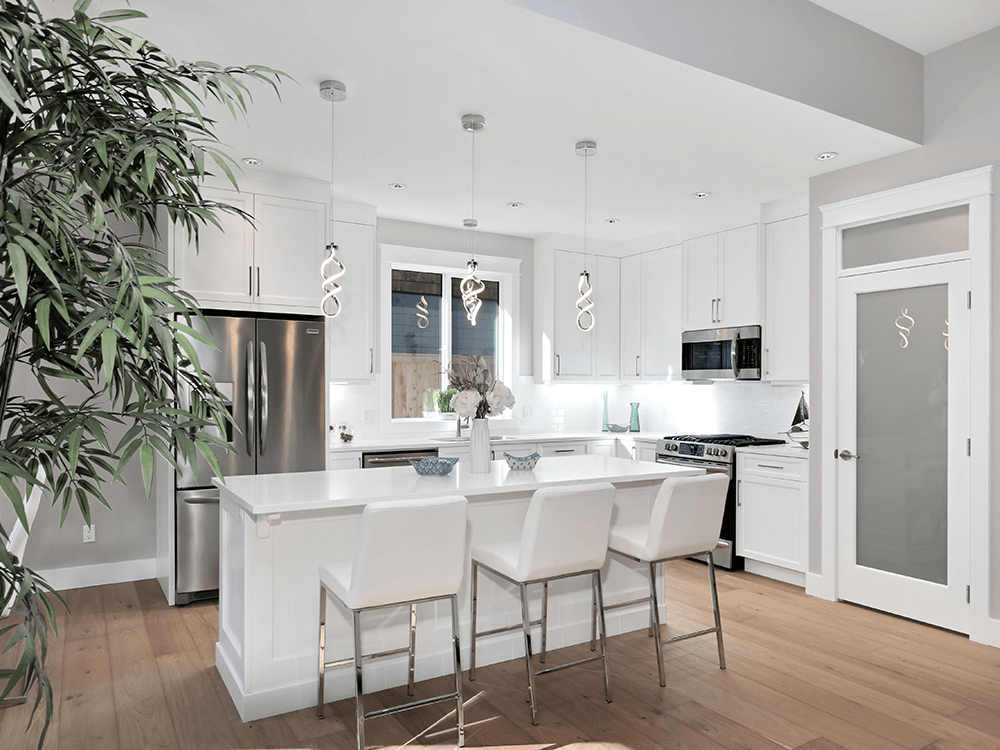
x: 726, y: 469
x: 732, y: 355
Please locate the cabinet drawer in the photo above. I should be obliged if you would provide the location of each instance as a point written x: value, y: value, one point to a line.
x: 562, y: 449
x: 781, y: 467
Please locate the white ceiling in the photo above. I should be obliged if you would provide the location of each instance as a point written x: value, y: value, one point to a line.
x: 924, y: 26
x: 412, y: 68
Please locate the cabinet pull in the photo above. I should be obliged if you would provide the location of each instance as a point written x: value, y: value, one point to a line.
x: 739, y: 500
x: 769, y: 466
x: 565, y: 450
x: 718, y: 310
x: 258, y: 281
x: 557, y: 364
x: 637, y: 365
x: 250, y: 282
x: 371, y: 361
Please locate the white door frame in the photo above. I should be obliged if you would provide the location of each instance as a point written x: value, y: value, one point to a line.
x: 972, y: 188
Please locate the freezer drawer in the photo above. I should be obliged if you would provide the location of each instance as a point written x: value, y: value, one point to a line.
x: 197, y: 544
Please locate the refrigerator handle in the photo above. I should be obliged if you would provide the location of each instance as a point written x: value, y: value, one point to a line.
x: 263, y: 398
x: 251, y: 399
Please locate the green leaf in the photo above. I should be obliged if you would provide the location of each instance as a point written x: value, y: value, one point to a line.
x: 110, y: 16
x: 10, y: 97
x: 149, y: 157
x: 19, y: 265
x: 42, y: 320
x: 109, y: 352
x: 146, y: 459
x: 73, y: 445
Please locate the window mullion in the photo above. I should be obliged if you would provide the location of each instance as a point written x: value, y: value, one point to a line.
x: 445, y: 325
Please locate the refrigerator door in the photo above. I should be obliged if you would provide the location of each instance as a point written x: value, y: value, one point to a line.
x: 197, y: 542
x: 234, y: 367
x: 291, y: 408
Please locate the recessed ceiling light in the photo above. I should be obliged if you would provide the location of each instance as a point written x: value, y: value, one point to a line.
x: 612, y: 221
x: 701, y: 194
x: 827, y: 155
x: 251, y: 161
x: 397, y: 186
x: 514, y: 204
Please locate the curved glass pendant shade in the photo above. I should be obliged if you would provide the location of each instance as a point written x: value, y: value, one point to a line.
x: 585, y: 317
x: 471, y: 287
x: 331, y: 270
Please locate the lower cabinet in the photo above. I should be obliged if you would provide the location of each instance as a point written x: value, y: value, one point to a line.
x: 772, y: 509
x: 645, y: 450
x: 564, y: 449
x: 604, y: 448
x: 337, y: 461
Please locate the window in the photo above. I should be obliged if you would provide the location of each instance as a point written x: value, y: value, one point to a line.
x: 427, y: 326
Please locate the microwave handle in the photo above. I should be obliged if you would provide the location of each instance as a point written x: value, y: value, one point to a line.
x: 732, y: 355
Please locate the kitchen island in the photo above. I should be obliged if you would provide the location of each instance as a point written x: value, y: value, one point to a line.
x: 277, y: 529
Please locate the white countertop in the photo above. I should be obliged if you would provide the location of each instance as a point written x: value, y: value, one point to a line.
x: 355, y: 488
x: 789, y: 450
x: 418, y: 442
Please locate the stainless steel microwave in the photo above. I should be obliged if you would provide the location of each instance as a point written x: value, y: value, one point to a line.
x: 721, y: 354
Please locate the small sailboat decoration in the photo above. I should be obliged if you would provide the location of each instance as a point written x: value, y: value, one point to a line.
x: 799, y: 431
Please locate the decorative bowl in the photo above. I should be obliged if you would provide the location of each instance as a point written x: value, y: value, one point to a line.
x: 522, y: 463
x: 618, y: 427
x: 434, y: 466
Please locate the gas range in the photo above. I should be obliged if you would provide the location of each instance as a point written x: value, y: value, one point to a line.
x: 719, y: 449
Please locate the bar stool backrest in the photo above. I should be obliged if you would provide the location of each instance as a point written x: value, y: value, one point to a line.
x: 566, y: 530
x: 409, y: 549
x: 687, y: 516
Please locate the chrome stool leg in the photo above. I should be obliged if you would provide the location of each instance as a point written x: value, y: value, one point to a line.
x: 413, y: 648
x: 320, y: 698
x: 459, y: 703
x: 599, y: 595
x: 358, y: 683
x: 715, y: 609
x: 526, y: 624
x: 472, y: 644
x: 545, y: 619
x: 593, y: 618
x: 654, y: 614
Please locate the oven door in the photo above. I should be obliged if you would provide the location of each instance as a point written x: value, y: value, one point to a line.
x: 724, y: 557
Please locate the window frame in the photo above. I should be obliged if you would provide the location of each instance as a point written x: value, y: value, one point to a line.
x: 505, y: 271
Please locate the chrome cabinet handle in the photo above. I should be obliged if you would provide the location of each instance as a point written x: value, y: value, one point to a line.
x: 846, y: 455
x: 206, y: 500
x: 251, y: 399
x: 739, y: 484
x: 258, y: 281
x: 371, y: 361
x: 713, y: 309
x: 769, y: 466
x: 250, y: 282
x: 263, y: 398
x: 558, y: 368
x: 637, y: 365
x: 718, y: 310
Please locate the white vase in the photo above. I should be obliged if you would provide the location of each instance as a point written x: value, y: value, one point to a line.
x: 480, y: 456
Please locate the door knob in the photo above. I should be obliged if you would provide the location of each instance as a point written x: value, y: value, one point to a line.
x: 846, y: 455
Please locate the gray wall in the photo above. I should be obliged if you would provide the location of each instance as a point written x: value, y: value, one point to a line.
x: 411, y: 234
x: 962, y: 132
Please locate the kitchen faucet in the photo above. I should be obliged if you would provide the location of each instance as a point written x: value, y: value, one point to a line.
x: 458, y: 426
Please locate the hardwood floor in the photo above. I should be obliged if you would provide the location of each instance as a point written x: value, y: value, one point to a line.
x: 130, y: 672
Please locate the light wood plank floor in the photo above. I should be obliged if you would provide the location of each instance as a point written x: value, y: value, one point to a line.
x: 130, y: 672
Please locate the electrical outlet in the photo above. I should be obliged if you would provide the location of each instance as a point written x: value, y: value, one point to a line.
x: 528, y: 411
x: 371, y: 415
x: 89, y: 534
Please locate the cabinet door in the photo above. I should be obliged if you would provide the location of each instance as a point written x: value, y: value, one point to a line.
x: 739, y: 277
x: 288, y: 252
x: 218, y: 272
x: 603, y: 448
x: 771, y: 520
x: 607, y: 330
x: 563, y: 449
x: 786, y: 293
x: 632, y: 288
x: 573, y: 348
x: 350, y: 337
x: 701, y: 274
x: 341, y: 461
x: 645, y: 452
x: 661, y: 314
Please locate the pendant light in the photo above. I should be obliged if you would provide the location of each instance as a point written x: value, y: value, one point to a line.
x: 584, y: 305
x: 471, y: 286
x: 331, y: 268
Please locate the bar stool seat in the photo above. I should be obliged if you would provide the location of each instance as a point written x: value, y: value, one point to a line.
x: 685, y: 521
x: 408, y: 552
x: 565, y: 534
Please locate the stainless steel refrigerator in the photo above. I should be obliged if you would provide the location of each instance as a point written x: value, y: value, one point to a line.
x: 273, y: 372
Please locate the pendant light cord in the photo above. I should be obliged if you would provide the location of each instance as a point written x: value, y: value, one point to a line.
x: 333, y: 161
x: 586, y: 158
x: 472, y: 229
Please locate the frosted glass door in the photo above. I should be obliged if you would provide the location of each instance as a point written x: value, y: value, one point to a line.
x: 903, y: 473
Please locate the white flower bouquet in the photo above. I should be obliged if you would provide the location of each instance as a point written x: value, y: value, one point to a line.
x: 479, y: 395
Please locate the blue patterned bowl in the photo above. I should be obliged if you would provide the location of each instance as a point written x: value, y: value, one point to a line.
x: 522, y: 463
x: 434, y: 466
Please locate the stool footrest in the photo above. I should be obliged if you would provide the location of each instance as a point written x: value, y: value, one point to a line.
x: 411, y: 705
x: 506, y: 629
x: 571, y: 664
x: 644, y: 600
x: 684, y: 637
x: 366, y: 657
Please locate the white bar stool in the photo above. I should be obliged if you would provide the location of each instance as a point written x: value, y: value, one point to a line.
x: 565, y: 534
x: 686, y: 518
x: 409, y: 552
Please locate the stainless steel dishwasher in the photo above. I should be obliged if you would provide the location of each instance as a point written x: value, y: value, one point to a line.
x: 379, y: 459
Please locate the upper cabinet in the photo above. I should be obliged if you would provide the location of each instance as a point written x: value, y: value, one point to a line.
x: 562, y: 351
x: 786, y: 318
x: 269, y: 266
x: 721, y: 279
x: 651, y: 315
x: 350, y: 337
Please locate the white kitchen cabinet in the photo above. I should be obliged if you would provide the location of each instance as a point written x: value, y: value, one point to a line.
x: 565, y: 353
x: 772, y: 509
x: 786, y: 295
x: 350, y: 337
x: 339, y: 461
x: 604, y: 448
x: 721, y: 279
x: 575, y: 448
x: 645, y: 450
x: 651, y: 315
x: 270, y: 266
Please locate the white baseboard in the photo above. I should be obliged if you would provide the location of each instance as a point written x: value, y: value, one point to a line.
x: 794, y: 577
x: 98, y: 575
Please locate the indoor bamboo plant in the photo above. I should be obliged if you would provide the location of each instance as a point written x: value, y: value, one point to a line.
x: 99, y: 130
